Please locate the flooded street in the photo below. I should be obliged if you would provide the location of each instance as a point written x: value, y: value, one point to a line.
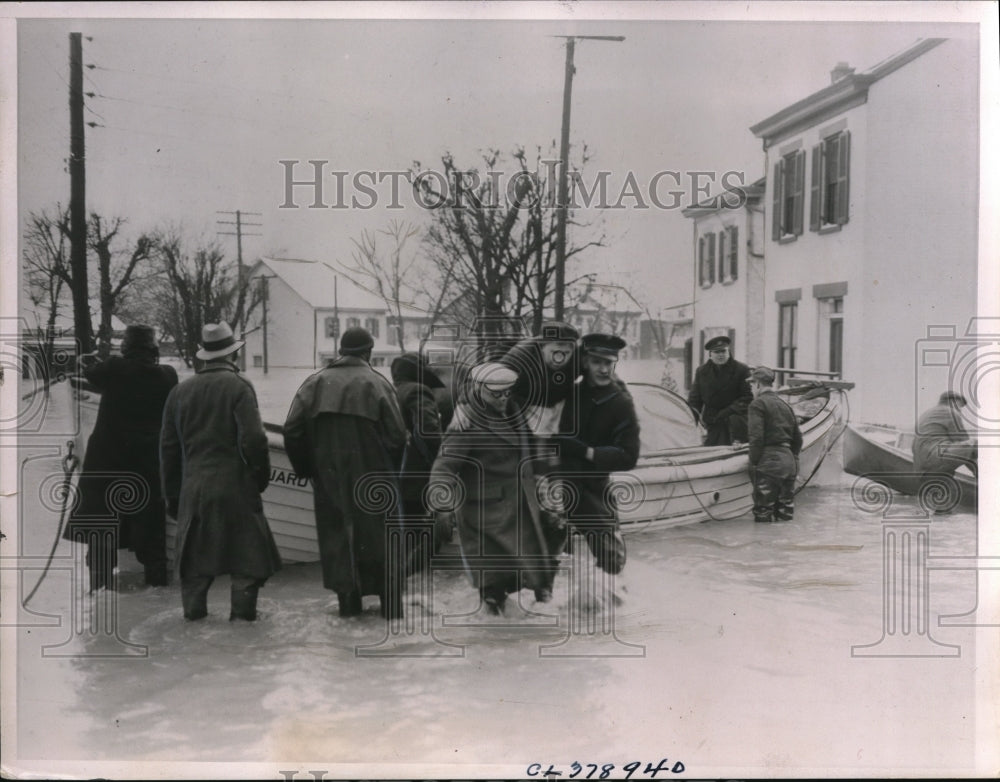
x: 737, y: 649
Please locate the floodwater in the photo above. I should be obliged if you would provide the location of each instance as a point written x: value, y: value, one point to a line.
x: 738, y: 649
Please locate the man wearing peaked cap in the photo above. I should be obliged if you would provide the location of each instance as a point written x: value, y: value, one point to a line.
x: 215, y: 465
x: 344, y: 424
x: 775, y: 441
x: 599, y: 435
x: 720, y: 395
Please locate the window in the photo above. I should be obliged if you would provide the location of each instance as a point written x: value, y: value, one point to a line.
x: 787, y: 336
x: 829, y: 194
x: 258, y: 361
x: 728, y: 253
x: 378, y: 361
x: 788, y: 196
x: 706, y: 260
x: 372, y: 325
x: 831, y: 334
x: 353, y: 323
x: 332, y: 328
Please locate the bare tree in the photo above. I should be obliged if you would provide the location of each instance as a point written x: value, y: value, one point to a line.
x: 492, y: 238
x: 197, y: 287
x: 392, y: 273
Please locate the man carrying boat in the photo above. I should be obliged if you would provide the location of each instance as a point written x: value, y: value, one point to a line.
x: 343, y: 426
x: 720, y: 395
x: 775, y: 442
x: 215, y: 465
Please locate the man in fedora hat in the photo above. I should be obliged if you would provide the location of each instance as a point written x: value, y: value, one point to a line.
x: 720, y: 394
x: 775, y: 442
x: 125, y: 446
x: 600, y: 435
x: 343, y: 425
x: 215, y: 466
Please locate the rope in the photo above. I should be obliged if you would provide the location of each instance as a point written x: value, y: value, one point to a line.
x: 70, y: 463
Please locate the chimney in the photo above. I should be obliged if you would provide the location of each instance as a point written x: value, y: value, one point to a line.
x: 841, y: 71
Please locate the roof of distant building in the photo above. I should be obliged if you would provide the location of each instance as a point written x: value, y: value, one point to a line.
x: 322, y: 286
x: 730, y: 198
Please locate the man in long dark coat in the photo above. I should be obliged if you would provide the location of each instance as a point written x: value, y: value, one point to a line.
x: 775, y: 442
x: 720, y: 394
x: 215, y: 466
x: 600, y: 436
x: 344, y: 425
x: 124, y: 449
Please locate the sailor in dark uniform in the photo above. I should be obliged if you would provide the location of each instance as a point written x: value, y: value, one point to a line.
x: 720, y: 394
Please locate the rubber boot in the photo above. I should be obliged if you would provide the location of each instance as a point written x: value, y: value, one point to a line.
x: 350, y: 603
x: 194, y: 597
x: 243, y: 603
x: 156, y: 575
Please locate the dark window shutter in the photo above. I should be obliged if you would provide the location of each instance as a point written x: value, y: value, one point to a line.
x: 732, y: 341
x: 798, y: 191
x: 722, y: 255
x: 815, y: 190
x: 776, y: 186
x: 734, y: 251
x: 701, y: 260
x: 843, y: 177
x: 711, y: 259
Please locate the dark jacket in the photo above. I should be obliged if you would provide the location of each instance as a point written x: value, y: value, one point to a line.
x: 717, y: 393
x: 536, y: 383
x: 603, y: 418
x: 423, y: 423
x: 125, y: 446
x: 775, y: 437
x: 345, y: 432
x: 215, y: 464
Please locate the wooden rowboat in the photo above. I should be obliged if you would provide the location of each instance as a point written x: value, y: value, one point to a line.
x: 677, y: 480
x: 884, y: 454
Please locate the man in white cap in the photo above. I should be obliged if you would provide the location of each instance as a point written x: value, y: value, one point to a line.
x: 343, y: 425
x: 215, y: 465
x: 487, y: 452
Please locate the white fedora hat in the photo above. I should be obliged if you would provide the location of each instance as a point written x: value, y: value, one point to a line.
x: 217, y: 341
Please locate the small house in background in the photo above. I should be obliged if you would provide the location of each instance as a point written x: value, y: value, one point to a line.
x: 872, y: 224
x: 667, y: 340
x: 596, y: 307
x: 729, y: 273
x: 304, y: 308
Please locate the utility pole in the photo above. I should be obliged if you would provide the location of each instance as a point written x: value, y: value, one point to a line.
x: 239, y: 233
x: 562, y: 204
x: 263, y: 300
x: 78, y: 198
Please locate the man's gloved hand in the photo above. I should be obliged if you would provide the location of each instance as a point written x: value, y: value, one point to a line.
x: 573, y: 447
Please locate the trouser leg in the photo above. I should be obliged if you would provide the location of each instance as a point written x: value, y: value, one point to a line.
x: 349, y: 603
x: 194, y: 595
x: 102, y: 559
x: 607, y: 545
x: 243, y: 597
x: 784, y: 506
x: 765, y: 496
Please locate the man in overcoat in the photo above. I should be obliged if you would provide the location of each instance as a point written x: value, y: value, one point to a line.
x: 600, y: 435
x: 775, y: 442
x: 484, y: 468
x: 124, y: 449
x: 720, y: 394
x: 215, y: 466
x: 344, y: 424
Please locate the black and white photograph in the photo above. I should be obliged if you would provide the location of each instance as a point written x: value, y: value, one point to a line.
x: 460, y: 390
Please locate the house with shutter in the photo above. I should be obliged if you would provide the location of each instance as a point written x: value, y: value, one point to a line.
x: 871, y: 200
x: 729, y: 273
x: 305, y: 305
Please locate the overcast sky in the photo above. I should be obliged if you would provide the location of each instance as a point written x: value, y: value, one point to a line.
x: 194, y: 115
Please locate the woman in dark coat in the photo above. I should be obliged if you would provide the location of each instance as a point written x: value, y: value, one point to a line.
x: 415, y: 384
x: 120, y: 481
x: 485, y: 461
